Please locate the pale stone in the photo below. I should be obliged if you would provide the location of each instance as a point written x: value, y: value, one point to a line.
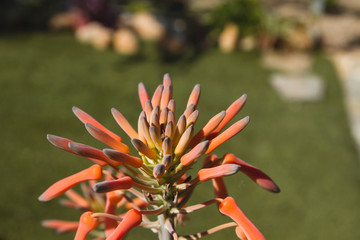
x: 64, y: 20
x: 287, y: 62
x: 125, y: 42
x: 95, y: 34
x: 298, y: 87
x: 147, y: 26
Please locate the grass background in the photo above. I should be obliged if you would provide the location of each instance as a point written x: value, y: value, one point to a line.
x: 306, y: 148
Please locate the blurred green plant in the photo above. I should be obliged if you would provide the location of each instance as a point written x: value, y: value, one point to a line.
x: 246, y: 14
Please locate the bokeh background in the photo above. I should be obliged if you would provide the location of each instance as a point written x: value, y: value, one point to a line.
x: 298, y: 62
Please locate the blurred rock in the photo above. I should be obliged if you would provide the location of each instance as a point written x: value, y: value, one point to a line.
x: 147, y: 26
x: 228, y: 38
x: 298, y: 87
x: 248, y: 43
x: 94, y: 34
x: 299, y: 39
x: 125, y: 41
x: 287, y: 62
x: 339, y: 31
x: 60, y: 21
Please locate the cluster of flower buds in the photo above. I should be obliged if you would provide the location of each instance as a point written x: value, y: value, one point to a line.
x: 121, y: 190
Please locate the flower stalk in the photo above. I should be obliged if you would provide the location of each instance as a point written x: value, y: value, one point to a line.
x: 123, y: 188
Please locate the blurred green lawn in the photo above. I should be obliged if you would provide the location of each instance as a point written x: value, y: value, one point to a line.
x: 306, y: 148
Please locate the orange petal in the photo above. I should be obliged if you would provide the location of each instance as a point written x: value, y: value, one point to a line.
x: 148, y: 109
x: 192, y: 118
x: 131, y: 219
x: 60, y: 226
x: 195, y: 153
x: 253, y: 173
x: 86, y: 118
x: 144, y: 130
x: 123, y: 158
x: 184, y: 141
x: 194, y: 96
x: 189, y: 110
x: 154, y: 117
x: 227, y: 134
x: 92, y: 173
x: 105, y: 138
x: 169, y: 129
x: 165, y: 96
x: 143, y: 95
x: 124, y: 124
x: 163, y: 116
x: 229, y: 208
x: 208, y: 128
x: 86, y: 225
x: 112, y: 185
x: 155, y: 136
x: 168, y: 82
x: 219, y: 171
x: 155, y: 100
x: 211, y: 161
x: 142, y: 148
x: 172, y: 106
x: 179, y: 129
x: 231, y: 112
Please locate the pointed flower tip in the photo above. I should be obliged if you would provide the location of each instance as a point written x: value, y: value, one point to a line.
x: 92, y: 173
x: 123, y: 157
x: 195, y: 153
x: 112, y: 185
x: 206, y: 174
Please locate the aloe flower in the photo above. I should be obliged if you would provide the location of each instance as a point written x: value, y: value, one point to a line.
x: 123, y: 186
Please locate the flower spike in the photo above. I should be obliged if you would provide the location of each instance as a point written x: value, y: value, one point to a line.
x: 86, y: 225
x: 131, y: 219
x: 229, y: 208
x: 92, y: 173
x: 253, y: 173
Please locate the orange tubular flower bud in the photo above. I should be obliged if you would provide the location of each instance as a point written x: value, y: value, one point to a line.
x: 208, y: 128
x: 143, y: 95
x: 227, y: 134
x: 124, y: 124
x: 105, y: 138
x: 77, y: 199
x: 184, y: 141
x: 165, y: 96
x: 229, y: 208
x: 167, y: 82
x: 206, y: 174
x: 60, y: 226
x: 192, y: 118
x: 189, y: 110
x: 92, y: 173
x: 172, y: 105
x: 163, y: 117
x: 142, y: 148
x: 155, y: 100
x: 112, y: 185
x: 123, y: 158
x: 131, y: 219
x: 231, y: 112
x: 253, y: 173
x: 195, y: 153
x: 155, y: 136
x: 86, y: 118
x: 194, y: 95
x: 94, y: 154
x: 86, y: 225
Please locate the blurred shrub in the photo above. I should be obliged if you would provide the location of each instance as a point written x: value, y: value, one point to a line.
x: 246, y: 14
